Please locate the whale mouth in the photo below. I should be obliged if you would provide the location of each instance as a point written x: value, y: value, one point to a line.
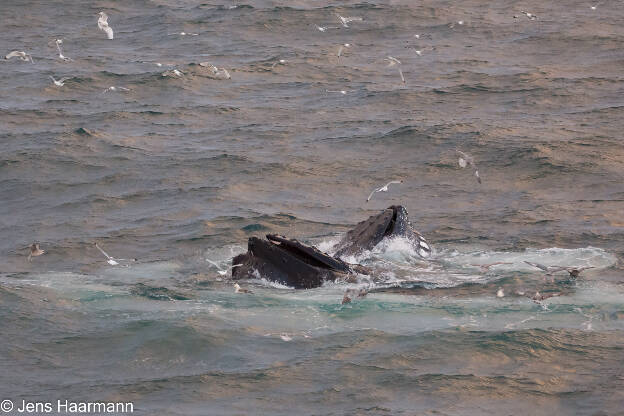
x: 392, y: 222
x: 307, y: 254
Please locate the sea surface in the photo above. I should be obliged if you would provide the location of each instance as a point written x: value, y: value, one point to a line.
x: 172, y: 171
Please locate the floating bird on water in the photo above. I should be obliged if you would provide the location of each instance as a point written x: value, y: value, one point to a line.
x: 60, y: 82
x: 351, y: 294
x: 486, y: 267
x: 538, y: 297
x: 59, y: 42
x: 279, y: 62
x: 459, y: 22
x: 343, y: 92
x: 21, y: 55
x: 173, y: 73
x: 392, y: 61
x: 221, y: 271
x: 34, y: 251
x: 103, y: 25
x: 382, y: 189
x: 529, y: 16
x: 594, y: 6
x: 324, y: 28
x: 238, y: 289
x: 114, y: 89
x: 346, y: 20
x: 465, y: 160
x: 218, y: 73
x: 183, y: 34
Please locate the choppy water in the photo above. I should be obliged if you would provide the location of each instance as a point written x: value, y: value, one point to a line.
x: 175, y: 171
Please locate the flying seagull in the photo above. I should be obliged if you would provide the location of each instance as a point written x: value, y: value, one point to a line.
x: 221, y: 271
x: 110, y: 260
x: 382, y: 189
x: 59, y: 82
x: 34, y: 251
x: 346, y: 20
x: 465, y: 160
x: 575, y: 271
x: 340, y: 49
x: 103, y: 25
x: 392, y: 61
x: 21, y: 55
x: 59, y: 42
x: 549, y: 270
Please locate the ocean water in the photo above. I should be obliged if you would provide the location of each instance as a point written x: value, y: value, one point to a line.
x: 177, y: 170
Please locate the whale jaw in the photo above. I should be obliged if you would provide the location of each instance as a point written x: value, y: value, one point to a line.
x: 288, y: 262
x: 391, y: 222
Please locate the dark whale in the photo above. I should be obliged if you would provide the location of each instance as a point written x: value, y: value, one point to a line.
x: 297, y: 265
x: 391, y: 222
x: 289, y: 262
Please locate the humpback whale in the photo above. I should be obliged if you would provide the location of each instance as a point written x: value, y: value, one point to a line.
x: 292, y: 263
x: 391, y: 222
x: 289, y: 262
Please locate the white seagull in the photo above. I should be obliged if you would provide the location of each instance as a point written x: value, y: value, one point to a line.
x: 280, y: 62
x: 183, y: 34
x: 173, y: 73
x: 21, y: 55
x: 324, y: 28
x: 529, y: 16
x: 382, y: 189
x: 110, y: 260
x: 340, y: 49
x: 346, y: 20
x: 238, y: 289
x: 221, y: 271
x: 392, y: 62
x: 59, y: 82
x: 59, y: 42
x: 103, y: 25
x: 113, y: 88
x: 343, y: 92
x: 465, y: 160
